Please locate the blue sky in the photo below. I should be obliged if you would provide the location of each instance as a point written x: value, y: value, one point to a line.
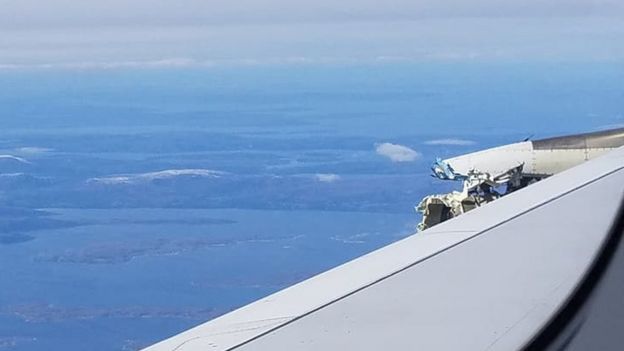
x: 159, y: 33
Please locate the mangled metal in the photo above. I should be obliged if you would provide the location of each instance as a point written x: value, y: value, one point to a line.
x: 478, y: 189
x: 490, y: 174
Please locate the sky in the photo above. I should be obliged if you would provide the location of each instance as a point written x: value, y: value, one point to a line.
x: 159, y: 33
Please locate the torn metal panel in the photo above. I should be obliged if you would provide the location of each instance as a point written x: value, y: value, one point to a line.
x: 439, y: 208
x: 443, y: 170
x: 479, y: 188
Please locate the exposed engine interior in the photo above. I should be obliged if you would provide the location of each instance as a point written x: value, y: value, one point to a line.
x: 479, y: 188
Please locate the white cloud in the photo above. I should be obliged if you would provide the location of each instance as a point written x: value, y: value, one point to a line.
x: 359, y: 238
x: 356, y: 42
x: 14, y: 158
x: 147, y: 177
x: 195, y: 63
x: 103, y: 65
x: 140, y: 13
x: 32, y: 150
x: 397, y: 153
x: 450, y: 142
x: 327, y: 178
x: 11, y: 175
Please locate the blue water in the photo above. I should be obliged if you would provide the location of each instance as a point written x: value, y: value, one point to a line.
x: 141, y: 203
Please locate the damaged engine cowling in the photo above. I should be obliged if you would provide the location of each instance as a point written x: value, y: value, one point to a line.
x: 492, y: 173
x: 479, y: 188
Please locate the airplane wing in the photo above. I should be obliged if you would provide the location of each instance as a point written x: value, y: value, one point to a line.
x: 502, y: 277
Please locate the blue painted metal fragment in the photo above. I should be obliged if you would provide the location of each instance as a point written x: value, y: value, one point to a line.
x: 444, y: 171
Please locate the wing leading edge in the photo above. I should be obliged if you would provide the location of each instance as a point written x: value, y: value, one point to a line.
x: 490, y: 279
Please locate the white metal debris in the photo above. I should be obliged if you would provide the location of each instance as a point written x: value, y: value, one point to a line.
x: 478, y: 189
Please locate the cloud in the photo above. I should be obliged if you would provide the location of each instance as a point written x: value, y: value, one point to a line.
x: 451, y: 142
x: 196, y: 63
x: 151, y: 176
x: 14, y: 158
x: 104, y: 65
x: 397, y: 153
x: 11, y: 342
x: 141, y: 13
x: 11, y: 175
x: 327, y: 178
x: 293, y: 43
x: 359, y: 238
x: 32, y: 150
